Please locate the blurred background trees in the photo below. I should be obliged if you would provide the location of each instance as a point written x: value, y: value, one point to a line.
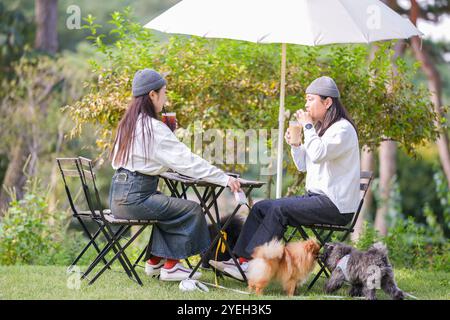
x: 429, y: 11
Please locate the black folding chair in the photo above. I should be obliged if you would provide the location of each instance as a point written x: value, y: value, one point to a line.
x: 80, y: 209
x: 324, y: 232
x: 87, y: 176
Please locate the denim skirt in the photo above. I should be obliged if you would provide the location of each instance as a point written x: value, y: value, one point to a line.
x: 181, y: 230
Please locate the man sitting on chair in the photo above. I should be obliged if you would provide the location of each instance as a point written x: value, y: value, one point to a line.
x: 330, y: 156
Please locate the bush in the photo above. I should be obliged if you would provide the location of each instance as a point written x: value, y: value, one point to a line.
x: 23, y: 232
x: 65, y: 251
x: 410, y: 245
x: 28, y: 232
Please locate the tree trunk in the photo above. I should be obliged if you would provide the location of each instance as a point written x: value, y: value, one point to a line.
x: 435, y: 87
x: 367, y: 164
x: 46, y: 40
x: 14, y: 179
x: 54, y: 176
x: 388, y: 165
x: 46, y: 23
x: 388, y: 168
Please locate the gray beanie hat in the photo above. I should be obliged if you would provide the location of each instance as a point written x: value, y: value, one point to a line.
x: 145, y: 81
x: 324, y: 86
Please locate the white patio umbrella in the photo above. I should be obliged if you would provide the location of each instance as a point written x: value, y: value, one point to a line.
x: 304, y: 22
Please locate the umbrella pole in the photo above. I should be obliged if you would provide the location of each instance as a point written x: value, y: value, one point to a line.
x: 281, y: 123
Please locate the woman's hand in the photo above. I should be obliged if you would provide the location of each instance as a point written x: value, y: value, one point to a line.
x: 287, y: 137
x: 234, y: 184
x: 303, y: 117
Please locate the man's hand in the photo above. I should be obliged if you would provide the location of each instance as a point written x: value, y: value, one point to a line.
x: 303, y: 117
x: 287, y: 137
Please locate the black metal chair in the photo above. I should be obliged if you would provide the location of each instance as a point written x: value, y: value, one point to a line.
x: 87, y: 176
x: 80, y: 210
x: 324, y: 232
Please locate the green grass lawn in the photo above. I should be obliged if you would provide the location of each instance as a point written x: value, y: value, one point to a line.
x: 50, y: 282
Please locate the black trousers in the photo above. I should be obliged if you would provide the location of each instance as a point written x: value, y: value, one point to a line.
x: 269, y: 219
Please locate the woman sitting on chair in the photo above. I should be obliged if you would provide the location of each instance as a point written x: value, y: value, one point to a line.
x: 145, y: 147
x: 330, y: 156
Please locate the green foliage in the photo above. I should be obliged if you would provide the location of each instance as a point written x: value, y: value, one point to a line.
x: 67, y: 248
x: 38, y: 77
x: 28, y: 232
x: 406, y: 242
x: 15, y: 35
x: 417, y: 186
x: 367, y: 237
x: 393, y: 201
x: 410, y: 245
x: 443, y: 193
x: 235, y: 84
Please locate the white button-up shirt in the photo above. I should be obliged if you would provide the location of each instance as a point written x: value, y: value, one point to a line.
x: 165, y: 152
x: 332, y: 164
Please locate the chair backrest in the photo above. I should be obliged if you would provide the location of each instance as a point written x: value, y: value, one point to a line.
x: 366, y: 178
x: 73, y: 185
x: 87, y: 175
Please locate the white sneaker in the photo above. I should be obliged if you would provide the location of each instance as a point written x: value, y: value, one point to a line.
x: 234, y: 272
x: 221, y: 265
x: 178, y: 273
x: 154, y: 269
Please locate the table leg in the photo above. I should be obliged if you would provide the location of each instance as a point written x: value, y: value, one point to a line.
x: 219, y: 235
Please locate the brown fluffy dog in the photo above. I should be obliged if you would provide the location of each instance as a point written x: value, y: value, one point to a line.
x: 288, y: 264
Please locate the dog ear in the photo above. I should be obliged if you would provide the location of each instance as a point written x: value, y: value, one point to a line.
x: 345, y: 249
x: 312, y: 246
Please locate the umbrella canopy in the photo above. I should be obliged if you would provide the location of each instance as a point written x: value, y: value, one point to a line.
x: 304, y: 22
x: 307, y: 22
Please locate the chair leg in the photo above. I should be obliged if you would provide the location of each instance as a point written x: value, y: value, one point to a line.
x: 344, y: 237
x: 322, y: 240
x: 219, y: 235
x: 126, y: 265
x: 302, y: 233
x: 140, y: 257
x: 121, y: 252
x: 102, y: 253
x: 328, y: 237
x: 91, y: 242
x: 123, y: 259
x: 111, y: 241
x: 291, y: 235
x: 316, y: 277
x: 323, y: 268
x: 91, y: 238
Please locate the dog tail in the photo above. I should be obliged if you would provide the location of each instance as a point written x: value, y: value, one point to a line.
x: 271, y: 250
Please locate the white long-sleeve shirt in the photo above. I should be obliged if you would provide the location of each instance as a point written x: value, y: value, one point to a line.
x: 165, y: 151
x: 332, y: 164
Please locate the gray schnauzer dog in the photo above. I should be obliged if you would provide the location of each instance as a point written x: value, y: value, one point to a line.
x: 365, y: 271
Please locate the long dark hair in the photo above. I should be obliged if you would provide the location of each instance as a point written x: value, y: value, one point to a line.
x: 334, y: 113
x: 138, y: 106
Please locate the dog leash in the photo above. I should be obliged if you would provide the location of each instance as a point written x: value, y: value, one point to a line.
x: 225, y: 288
x: 410, y: 295
x: 221, y: 246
